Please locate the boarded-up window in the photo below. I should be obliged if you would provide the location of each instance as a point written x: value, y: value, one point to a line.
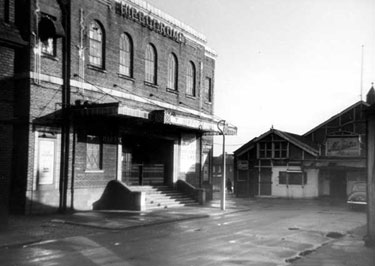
x: 93, y: 153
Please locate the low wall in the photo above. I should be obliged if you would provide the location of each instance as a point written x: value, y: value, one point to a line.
x: 198, y: 194
x: 117, y: 196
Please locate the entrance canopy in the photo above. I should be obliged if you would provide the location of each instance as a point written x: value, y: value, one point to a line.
x: 205, y: 123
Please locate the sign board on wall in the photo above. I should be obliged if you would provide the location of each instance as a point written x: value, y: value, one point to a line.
x: 242, y: 165
x: 188, y: 153
x: 46, y: 161
x: 343, y: 146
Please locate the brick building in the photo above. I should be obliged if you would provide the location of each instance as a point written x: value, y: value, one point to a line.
x: 10, y: 44
x: 102, y: 90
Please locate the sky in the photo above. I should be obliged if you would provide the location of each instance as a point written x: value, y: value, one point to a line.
x: 290, y: 64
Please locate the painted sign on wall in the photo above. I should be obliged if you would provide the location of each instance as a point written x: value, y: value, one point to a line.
x: 188, y: 153
x: 343, y: 146
x: 46, y: 161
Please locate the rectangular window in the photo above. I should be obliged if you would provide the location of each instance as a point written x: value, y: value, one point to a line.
x: 265, y: 150
x: 94, y: 151
x: 95, y: 53
x: 208, y: 89
x: 292, y: 178
x: 275, y: 150
x: 6, y: 11
x: 280, y: 149
x: 49, y: 47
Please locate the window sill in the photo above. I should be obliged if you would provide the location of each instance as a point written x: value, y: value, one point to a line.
x: 271, y: 158
x: 190, y: 96
x: 51, y: 57
x: 123, y: 76
x: 156, y: 86
x: 94, y: 171
x: 172, y: 91
x: 96, y: 68
x: 208, y: 103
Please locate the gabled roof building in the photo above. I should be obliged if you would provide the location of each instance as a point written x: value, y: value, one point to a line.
x: 325, y: 161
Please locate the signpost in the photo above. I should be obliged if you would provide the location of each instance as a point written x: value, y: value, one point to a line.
x: 222, y: 131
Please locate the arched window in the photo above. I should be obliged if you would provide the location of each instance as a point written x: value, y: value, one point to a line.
x: 190, y: 79
x: 172, y: 71
x: 96, y: 44
x: 126, y: 55
x: 150, y: 64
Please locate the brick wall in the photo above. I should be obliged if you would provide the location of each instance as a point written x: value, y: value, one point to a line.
x: 7, y: 65
x: 7, y: 56
x: 7, y: 10
x: 87, y: 179
x: 114, y: 25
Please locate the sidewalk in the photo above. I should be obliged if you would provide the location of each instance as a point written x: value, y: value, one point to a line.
x: 24, y: 230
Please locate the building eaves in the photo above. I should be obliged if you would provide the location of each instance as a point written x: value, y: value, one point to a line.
x: 300, y: 141
x: 297, y: 140
x: 336, y: 116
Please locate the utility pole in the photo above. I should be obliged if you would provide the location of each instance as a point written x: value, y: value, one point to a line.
x: 222, y: 131
x: 370, y: 116
x: 65, y: 128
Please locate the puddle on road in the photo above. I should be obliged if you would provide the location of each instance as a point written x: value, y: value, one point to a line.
x: 334, y: 235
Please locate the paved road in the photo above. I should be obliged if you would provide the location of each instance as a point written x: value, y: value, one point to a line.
x: 270, y: 232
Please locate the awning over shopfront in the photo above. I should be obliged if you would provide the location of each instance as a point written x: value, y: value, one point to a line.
x: 107, y: 109
x: 209, y: 126
x: 342, y: 163
x: 206, y: 124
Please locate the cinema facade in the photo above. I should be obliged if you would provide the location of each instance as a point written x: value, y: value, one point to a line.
x: 107, y: 90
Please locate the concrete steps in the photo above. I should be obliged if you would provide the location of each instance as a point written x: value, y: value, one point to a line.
x: 163, y: 197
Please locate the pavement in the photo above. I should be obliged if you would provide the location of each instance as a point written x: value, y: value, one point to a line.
x: 348, y: 249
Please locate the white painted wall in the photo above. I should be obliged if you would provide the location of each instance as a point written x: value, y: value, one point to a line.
x: 309, y: 190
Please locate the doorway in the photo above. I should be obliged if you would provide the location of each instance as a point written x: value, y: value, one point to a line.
x: 265, y: 182
x: 146, y: 161
x: 337, y: 186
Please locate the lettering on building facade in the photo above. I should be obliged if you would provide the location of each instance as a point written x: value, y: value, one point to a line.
x: 137, y: 16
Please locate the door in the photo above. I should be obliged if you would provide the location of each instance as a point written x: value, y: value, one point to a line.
x: 265, y: 182
x: 253, y: 182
